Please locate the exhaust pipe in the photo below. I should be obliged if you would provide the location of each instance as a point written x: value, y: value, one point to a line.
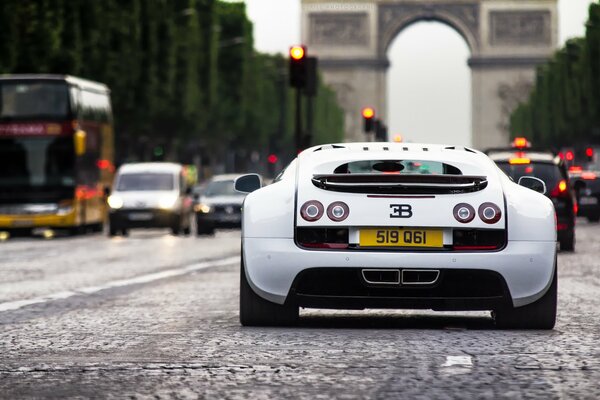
x: 419, y: 276
x: 381, y: 276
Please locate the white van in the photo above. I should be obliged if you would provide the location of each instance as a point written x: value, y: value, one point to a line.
x: 150, y: 195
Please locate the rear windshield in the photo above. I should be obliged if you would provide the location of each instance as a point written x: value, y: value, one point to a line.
x: 221, y: 188
x: 549, y: 173
x: 397, y: 167
x: 145, y: 181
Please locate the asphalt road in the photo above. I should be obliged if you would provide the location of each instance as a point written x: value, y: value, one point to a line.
x: 155, y: 316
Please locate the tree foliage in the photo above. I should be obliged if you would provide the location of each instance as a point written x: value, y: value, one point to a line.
x: 564, y: 106
x: 183, y: 74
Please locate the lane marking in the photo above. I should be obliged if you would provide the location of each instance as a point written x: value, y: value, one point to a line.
x: 458, y: 361
x: 169, y: 273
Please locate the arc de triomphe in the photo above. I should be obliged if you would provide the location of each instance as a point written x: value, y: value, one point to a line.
x: 507, y: 40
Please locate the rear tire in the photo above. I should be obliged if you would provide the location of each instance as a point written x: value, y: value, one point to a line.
x: 125, y: 232
x: 538, y: 315
x: 256, y: 311
x: 202, y: 229
x: 595, y: 218
x: 568, y: 244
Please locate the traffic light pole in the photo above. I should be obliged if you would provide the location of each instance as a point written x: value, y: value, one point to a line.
x: 298, y: 131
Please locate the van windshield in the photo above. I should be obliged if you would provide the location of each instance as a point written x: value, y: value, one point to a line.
x: 145, y: 181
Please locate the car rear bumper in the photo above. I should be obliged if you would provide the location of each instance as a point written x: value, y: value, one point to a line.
x: 147, y: 218
x: 524, y: 268
x: 220, y: 220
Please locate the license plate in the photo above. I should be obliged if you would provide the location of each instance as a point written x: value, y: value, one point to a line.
x: 22, y: 223
x: 588, y: 201
x: 140, y: 216
x: 400, y: 237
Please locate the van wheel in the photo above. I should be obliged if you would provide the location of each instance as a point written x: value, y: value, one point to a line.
x: 538, y: 315
x: 256, y: 311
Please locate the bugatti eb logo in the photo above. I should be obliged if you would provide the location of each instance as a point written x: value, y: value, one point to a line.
x: 401, y: 211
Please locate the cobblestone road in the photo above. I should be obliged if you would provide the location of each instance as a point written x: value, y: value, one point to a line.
x: 155, y: 316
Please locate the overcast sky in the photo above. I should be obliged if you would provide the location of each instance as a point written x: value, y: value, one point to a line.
x: 429, y: 81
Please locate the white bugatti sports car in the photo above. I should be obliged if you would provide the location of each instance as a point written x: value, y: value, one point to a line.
x: 394, y: 225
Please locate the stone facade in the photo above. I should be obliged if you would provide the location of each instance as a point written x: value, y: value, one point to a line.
x: 507, y: 39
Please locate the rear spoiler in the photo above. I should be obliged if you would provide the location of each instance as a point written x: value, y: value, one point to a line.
x: 400, y: 183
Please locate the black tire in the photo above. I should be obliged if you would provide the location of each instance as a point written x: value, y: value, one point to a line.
x: 202, y: 229
x: 256, y: 311
x: 112, y: 231
x: 595, y: 218
x: 538, y: 315
x: 124, y: 231
x: 568, y: 243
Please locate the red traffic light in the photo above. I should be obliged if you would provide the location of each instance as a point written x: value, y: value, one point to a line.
x: 569, y: 155
x: 297, y: 52
x: 368, y: 112
x: 272, y: 159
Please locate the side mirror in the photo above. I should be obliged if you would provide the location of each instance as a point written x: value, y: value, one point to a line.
x: 248, y: 183
x: 533, y: 183
x: 79, y: 140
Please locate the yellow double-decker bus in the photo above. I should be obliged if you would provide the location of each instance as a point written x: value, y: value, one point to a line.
x: 56, y: 152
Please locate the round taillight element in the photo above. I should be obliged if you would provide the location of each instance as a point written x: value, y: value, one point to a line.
x: 464, y: 213
x: 312, y: 210
x: 490, y: 213
x: 338, y: 211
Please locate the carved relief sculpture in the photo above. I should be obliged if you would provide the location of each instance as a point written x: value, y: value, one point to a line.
x: 346, y: 29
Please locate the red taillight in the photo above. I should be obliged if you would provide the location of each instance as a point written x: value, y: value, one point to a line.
x: 489, y: 213
x: 464, y: 213
x: 589, y: 176
x: 575, y: 168
x: 562, y: 227
x: 569, y: 155
x: 338, y: 211
x: 589, y: 152
x: 312, y: 210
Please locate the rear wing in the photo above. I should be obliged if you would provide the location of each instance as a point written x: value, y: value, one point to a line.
x: 400, y: 183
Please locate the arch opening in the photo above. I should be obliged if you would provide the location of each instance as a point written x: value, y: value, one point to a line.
x: 429, y: 84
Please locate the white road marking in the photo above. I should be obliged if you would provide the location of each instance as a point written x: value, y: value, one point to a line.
x: 15, y: 305
x: 458, y: 361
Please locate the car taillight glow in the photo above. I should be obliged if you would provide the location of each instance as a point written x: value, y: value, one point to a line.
x: 464, y: 213
x: 489, y: 213
x: 560, y: 190
x: 338, y: 211
x: 312, y: 210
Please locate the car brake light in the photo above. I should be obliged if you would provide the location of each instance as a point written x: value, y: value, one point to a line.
x: 489, y: 213
x: 569, y: 155
x: 560, y: 190
x: 521, y: 143
x: 519, y: 161
x: 588, y: 176
x: 575, y: 168
x: 312, y: 210
x: 338, y: 211
x: 464, y: 213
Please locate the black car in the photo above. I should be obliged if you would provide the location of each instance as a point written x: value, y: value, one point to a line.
x: 218, y: 205
x: 584, y: 171
x: 551, y: 169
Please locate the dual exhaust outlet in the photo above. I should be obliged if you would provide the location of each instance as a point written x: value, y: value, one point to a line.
x: 405, y: 277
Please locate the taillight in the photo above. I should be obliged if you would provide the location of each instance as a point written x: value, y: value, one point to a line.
x: 312, y: 210
x: 338, y: 211
x: 560, y: 190
x: 464, y: 213
x: 489, y: 213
